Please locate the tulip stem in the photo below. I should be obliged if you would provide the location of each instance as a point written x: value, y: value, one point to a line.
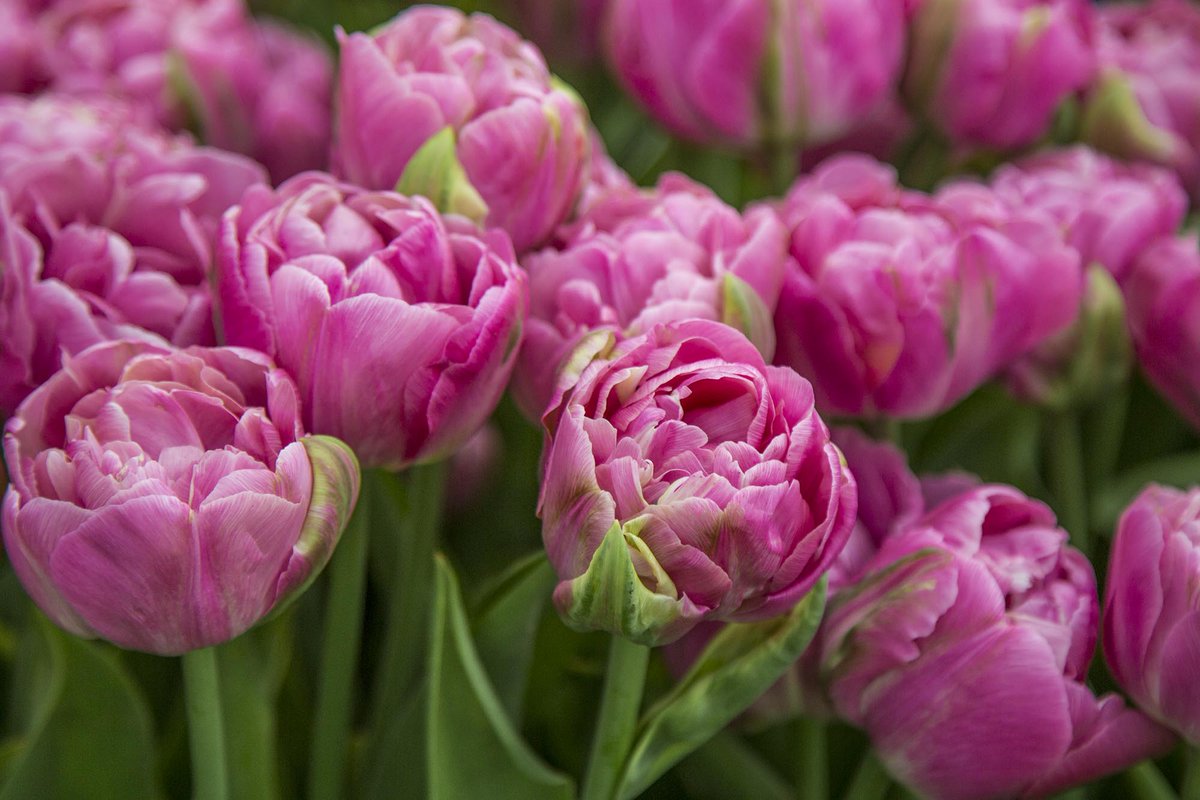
x: 871, y: 781
x: 418, y: 493
x: 615, y: 728
x: 334, y: 713
x: 206, y: 725
x: 1065, y: 465
x: 813, y: 777
x: 1190, y: 790
x: 1148, y: 783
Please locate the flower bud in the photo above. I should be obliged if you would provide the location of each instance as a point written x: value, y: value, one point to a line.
x: 686, y: 481
x: 167, y: 500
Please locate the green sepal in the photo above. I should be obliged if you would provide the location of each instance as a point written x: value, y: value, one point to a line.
x: 435, y: 172
x: 742, y: 308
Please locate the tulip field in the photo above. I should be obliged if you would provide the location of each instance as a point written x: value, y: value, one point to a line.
x: 600, y: 399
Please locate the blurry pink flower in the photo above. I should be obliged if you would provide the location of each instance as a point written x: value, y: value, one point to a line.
x: 1162, y: 298
x: 168, y: 500
x: 1145, y: 102
x: 745, y: 73
x: 991, y: 73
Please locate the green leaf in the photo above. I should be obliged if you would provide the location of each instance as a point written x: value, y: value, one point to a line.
x: 505, y: 623
x: 474, y: 750
x: 252, y: 668
x: 738, y: 665
x: 90, y: 731
x: 435, y: 172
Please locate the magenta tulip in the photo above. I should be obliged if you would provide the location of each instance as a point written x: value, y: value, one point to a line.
x: 401, y: 327
x: 636, y: 258
x: 255, y: 88
x: 1145, y: 103
x: 1151, y: 612
x: 686, y: 481
x: 1110, y: 211
x: 900, y: 303
x: 1162, y: 297
x: 107, y: 229
x: 992, y: 73
x: 168, y: 500
x: 963, y: 652
x: 746, y: 73
x: 520, y: 138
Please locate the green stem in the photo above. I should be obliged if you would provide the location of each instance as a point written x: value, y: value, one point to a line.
x: 418, y: 492
x: 339, y: 658
x: 615, y: 728
x: 206, y: 725
x: 813, y: 778
x: 1148, y: 783
x: 1065, y: 466
x: 1191, y: 775
x: 871, y: 781
x: 1105, y: 425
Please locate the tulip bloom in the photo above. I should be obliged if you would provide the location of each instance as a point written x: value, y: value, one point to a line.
x: 107, y: 230
x: 636, y: 258
x: 970, y: 632
x: 1145, y: 103
x: 260, y: 89
x: 1151, y: 612
x: 685, y: 481
x: 168, y: 500
x: 744, y: 73
x: 1162, y: 297
x: 521, y: 138
x: 400, y: 326
x: 991, y: 73
x: 900, y: 303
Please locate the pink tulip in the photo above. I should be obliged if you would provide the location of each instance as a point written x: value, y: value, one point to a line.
x: 900, y: 303
x: 745, y: 73
x: 992, y: 73
x: 1162, y: 297
x: 255, y: 88
x: 1145, y: 103
x: 636, y: 258
x: 686, y: 481
x: 963, y: 652
x: 22, y: 68
x: 108, y: 228
x: 400, y: 326
x: 1110, y: 211
x: 1151, y: 635
x: 567, y: 31
x: 521, y: 139
x: 167, y: 500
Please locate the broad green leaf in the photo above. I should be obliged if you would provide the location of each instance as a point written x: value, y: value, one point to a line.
x: 738, y: 665
x: 505, y: 623
x: 90, y: 732
x: 435, y: 172
x: 474, y: 750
